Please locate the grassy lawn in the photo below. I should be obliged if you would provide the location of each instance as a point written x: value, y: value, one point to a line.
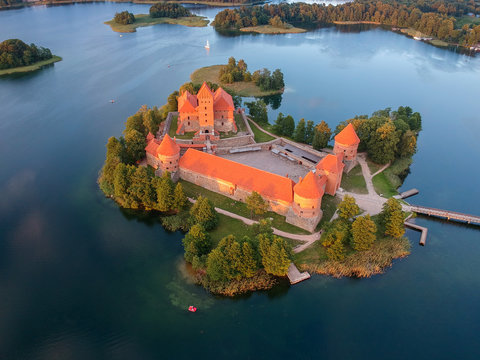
x: 460, y: 21
x: 173, y: 129
x: 373, y: 166
x: 241, y: 88
x: 260, y: 136
x: 269, y: 29
x: 145, y: 20
x: 354, y: 181
x: 241, y: 127
x: 33, y: 67
x: 237, y: 207
x: 329, y: 206
x: 383, y: 186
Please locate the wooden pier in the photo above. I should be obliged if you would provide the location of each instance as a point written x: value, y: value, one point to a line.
x: 407, y: 194
x: 424, y: 230
x: 296, y: 276
x: 445, y: 214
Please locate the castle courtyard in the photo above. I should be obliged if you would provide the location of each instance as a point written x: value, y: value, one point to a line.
x: 268, y: 161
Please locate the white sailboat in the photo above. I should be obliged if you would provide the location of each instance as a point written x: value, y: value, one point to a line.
x: 207, y: 46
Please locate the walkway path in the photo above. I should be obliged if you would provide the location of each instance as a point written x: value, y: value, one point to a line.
x: 309, y: 239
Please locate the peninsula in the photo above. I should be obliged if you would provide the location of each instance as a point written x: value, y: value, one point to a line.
x: 18, y: 57
x: 243, y: 215
x: 160, y: 13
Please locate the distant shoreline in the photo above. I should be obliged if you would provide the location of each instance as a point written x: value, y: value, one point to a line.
x: 142, y: 20
x: 33, y: 67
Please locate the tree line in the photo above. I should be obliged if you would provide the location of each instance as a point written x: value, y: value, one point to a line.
x: 237, y: 71
x: 433, y: 20
x: 15, y: 53
x: 170, y: 10
x: 351, y: 233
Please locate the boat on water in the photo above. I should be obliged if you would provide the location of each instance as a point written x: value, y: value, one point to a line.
x: 112, y: 101
x: 207, y: 45
x: 192, y: 308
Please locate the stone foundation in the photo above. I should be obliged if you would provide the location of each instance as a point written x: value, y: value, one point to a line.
x: 309, y: 224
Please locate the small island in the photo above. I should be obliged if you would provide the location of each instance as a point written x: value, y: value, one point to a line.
x: 236, y: 79
x: 160, y: 13
x: 18, y: 57
x: 253, y: 207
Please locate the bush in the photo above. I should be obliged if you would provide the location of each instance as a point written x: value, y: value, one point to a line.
x: 124, y: 18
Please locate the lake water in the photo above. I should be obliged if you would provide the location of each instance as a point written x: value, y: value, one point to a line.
x: 81, y: 279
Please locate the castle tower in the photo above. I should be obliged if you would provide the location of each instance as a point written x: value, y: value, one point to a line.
x: 331, y: 168
x: 346, y: 143
x: 164, y: 155
x: 307, y: 196
x: 205, y: 109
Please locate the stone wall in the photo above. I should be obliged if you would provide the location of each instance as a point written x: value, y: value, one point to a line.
x: 309, y: 224
x: 349, y: 152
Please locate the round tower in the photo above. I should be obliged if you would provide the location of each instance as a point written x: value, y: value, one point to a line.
x: 307, y: 195
x: 168, y: 153
x: 346, y: 143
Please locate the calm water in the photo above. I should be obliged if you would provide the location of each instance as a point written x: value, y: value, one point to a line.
x: 80, y: 279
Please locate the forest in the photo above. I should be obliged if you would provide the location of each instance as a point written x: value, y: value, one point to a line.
x: 15, y: 53
x: 170, y: 10
x: 430, y: 18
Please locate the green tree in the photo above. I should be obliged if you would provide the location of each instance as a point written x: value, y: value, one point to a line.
x: 363, y: 233
x: 321, y: 136
x: 115, y: 151
x: 309, y: 131
x: 348, y: 208
x: 279, y: 123
x: 288, y: 126
x: 299, y: 134
x: 258, y: 111
x: 217, y: 265
x: 407, y: 145
x: 275, y: 258
x: 203, y: 212
x: 135, y: 143
x: 141, y: 187
x: 334, y: 246
x: 196, y: 242
x: 124, y: 18
x: 256, y: 204
x: 248, y: 265
x: 392, y: 216
x: 383, y: 143
x: 164, y: 189
x: 179, y: 198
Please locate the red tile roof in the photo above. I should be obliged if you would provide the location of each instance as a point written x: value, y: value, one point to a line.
x: 269, y: 185
x: 187, y: 102
x: 223, y: 100
x: 167, y: 147
x: 347, y: 136
x: 331, y: 163
x: 311, y: 186
x: 204, y: 91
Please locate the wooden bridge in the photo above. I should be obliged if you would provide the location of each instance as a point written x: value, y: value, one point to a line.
x: 445, y: 214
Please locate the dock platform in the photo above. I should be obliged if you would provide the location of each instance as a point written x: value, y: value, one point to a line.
x: 296, y: 276
x: 424, y: 230
x: 407, y: 194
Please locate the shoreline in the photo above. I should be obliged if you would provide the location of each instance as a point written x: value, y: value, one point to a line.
x: 144, y: 20
x: 30, y: 68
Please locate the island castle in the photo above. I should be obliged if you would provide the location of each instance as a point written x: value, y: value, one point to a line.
x: 206, y: 113
x: 300, y: 202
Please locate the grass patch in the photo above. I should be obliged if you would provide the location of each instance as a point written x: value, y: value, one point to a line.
x: 259, y: 135
x: 241, y: 127
x: 329, y: 206
x: 463, y: 20
x: 269, y: 29
x: 29, y: 68
x: 241, y: 88
x: 374, y: 167
x: 354, y: 181
x: 237, y: 207
x: 173, y: 130
x: 383, y: 186
x: 146, y: 20
x: 439, y: 43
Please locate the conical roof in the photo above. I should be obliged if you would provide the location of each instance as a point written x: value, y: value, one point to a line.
x: 347, y: 136
x: 310, y: 187
x: 331, y: 164
x: 168, y: 147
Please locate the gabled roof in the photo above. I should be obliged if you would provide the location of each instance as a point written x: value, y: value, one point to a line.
x: 347, y: 136
x: 268, y: 185
x: 187, y: 102
x: 204, y: 91
x: 311, y: 186
x: 152, y: 147
x: 150, y: 136
x: 223, y: 100
x: 168, y: 147
x: 331, y: 164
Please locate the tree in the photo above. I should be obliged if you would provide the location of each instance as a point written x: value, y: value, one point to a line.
x: 299, y: 134
x: 179, y: 198
x: 171, y: 10
x: 217, y: 265
x: 196, y: 243
x: 164, y: 189
x: 279, y: 123
x: 275, y: 258
x: 334, y: 245
x: 277, y: 82
x: 392, y: 216
x: 258, y: 110
x: 348, y: 208
x: 141, y: 187
x: 363, y: 233
x: 135, y: 143
x: 309, y: 130
x: 321, y: 135
x: 256, y: 204
x: 204, y: 213
x: 288, y: 126
x: 407, y: 145
x: 249, y: 265
x: 124, y: 18
x: 383, y: 143
x: 115, y: 151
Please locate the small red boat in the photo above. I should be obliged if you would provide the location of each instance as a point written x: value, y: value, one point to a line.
x: 192, y: 308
